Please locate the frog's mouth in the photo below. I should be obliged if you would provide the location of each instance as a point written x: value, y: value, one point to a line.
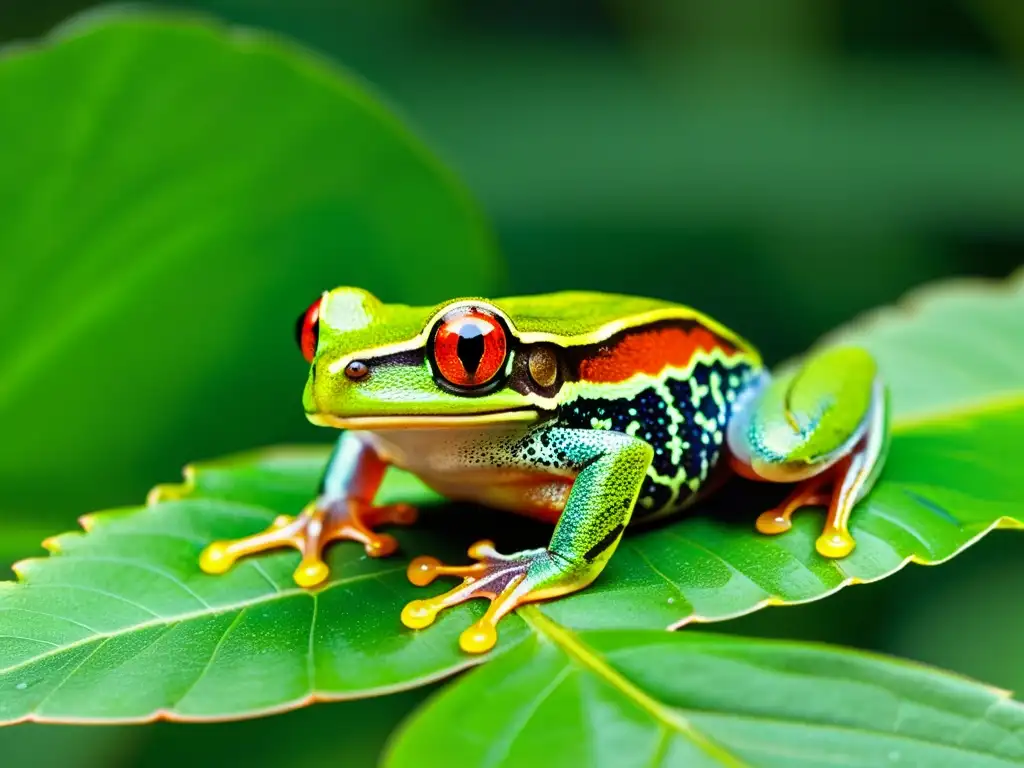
x: 505, y: 417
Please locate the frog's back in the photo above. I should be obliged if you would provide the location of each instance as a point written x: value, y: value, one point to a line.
x: 661, y: 372
x: 582, y: 317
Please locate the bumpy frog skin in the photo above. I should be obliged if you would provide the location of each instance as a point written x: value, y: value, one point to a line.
x: 586, y: 410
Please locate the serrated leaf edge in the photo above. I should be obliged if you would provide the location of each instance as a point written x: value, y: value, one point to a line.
x: 169, y: 715
x: 177, y: 491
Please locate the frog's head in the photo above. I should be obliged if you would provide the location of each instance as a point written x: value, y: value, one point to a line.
x: 378, y: 366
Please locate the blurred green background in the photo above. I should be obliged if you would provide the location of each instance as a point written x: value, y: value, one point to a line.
x: 781, y: 165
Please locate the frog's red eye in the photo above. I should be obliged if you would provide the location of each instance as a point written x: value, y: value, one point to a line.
x: 470, y: 348
x: 307, y: 330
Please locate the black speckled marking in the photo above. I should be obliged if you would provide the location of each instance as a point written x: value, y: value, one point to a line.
x: 653, y: 496
x: 660, y: 420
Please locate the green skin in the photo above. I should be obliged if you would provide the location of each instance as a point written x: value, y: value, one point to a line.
x: 537, y: 447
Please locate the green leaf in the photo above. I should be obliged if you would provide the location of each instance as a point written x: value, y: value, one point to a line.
x: 173, y: 195
x: 948, y: 350
x: 645, y: 698
x: 125, y: 604
x: 120, y: 624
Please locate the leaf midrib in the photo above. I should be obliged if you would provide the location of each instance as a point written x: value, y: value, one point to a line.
x: 583, y: 655
x: 578, y: 651
x: 198, y: 614
x: 1001, y: 698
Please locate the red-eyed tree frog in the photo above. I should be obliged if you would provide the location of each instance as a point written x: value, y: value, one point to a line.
x: 586, y: 410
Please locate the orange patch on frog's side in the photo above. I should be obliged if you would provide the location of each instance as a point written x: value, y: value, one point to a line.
x: 650, y: 352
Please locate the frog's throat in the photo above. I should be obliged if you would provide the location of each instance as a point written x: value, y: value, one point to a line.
x: 509, y: 417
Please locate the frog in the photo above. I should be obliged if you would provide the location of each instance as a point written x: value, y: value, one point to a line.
x: 588, y: 411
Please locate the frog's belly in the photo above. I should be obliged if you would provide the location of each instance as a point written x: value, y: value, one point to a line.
x: 527, y: 493
x: 476, y: 466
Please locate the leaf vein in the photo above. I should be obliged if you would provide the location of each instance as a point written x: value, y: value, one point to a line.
x: 29, y: 640
x: 188, y: 616
x: 150, y: 569
x: 262, y: 572
x: 650, y: 564
x: 499, y: 752
x: 746, y: 661
x: 69, y: 675
x: 50, y: 615
x: 98, y: 591
x: 576, y: 650
x: 732, y: 568
x: 311, y: 650
x: 213, y: 657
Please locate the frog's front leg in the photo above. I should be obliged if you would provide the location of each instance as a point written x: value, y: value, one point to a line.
x: 610, y: 468
x: 343, y: 509
x: 824, y: 425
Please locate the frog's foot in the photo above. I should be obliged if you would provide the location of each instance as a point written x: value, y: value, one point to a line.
x: 319, y: 524
x: 506, y: 580
x: 780, y: 519
x: 826, y: 489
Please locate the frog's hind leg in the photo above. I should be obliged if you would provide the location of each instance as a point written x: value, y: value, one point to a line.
x: 506, y: 580
x: 824, y: 425
x: 610, y: 468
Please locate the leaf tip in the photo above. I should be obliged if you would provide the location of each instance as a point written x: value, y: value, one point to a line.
x: 164, y: 492
x: 173, y: 491
x: 21, y: 568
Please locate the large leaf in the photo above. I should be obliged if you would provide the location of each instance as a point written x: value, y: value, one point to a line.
x: 643, y: 698
x: 173, y: 194
x: 120, y: 624
x: 124, y: 610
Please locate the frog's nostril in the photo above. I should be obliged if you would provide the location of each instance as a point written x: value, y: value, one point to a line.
x: 357, y: 370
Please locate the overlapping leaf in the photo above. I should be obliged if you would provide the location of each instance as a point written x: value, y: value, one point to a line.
x: 119, y: 624
x: 642, y: 698
x: 173, y: 194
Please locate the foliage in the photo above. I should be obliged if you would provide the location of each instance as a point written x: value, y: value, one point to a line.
x: 119, y: 625
x: 222, y: 156
x: 642, y: 698
x: 205, y: 190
